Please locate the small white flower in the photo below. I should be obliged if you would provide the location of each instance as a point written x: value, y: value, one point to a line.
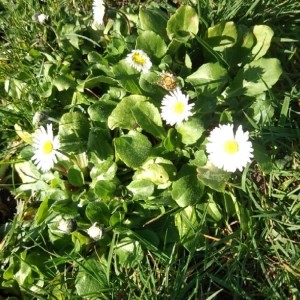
x: 67, y: 226
x: 175, y: 108
x: 46, y: 148
x: 95, y: 232
x: 42, y: 18
x: 229, y: 151
x: 98, y: 11
x: 139, y: 60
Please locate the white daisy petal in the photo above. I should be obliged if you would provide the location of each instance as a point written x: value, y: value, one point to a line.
x: 98, y: 11
x: 228, y: 150
x: 46, y: 148
x: 175, y: 108
x: 139, y: 60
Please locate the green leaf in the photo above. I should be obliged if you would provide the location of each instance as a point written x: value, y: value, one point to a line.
x: 153, y: 19
x: 190, y: 130
x: 187, y: 190
x: 263, y: 35
x: 94, y: 81
x: 91, y: 280
x: 122, y: 115
x: 104, y: 189
x: 256, y: 77
x: 127, y: 77
x: 263, y: 159
x: 262, y: 109
x: 96, y: 57
x: 190, y: 228
x: 116, y: 218
x: 102, y: 169
x: 75, y: 176
x: 213, y: 177
x: 63, y: 82
x: 148, y: 117
x: 210, y: 78
x: 101, y: 110
x: 132, y: 148
x: 99, y: 142
x: 141, y: 189
x: 74, y: 125
x: 183, y: 25
x: 67, y: 207
x: 27, y: 171
x: 129, y: 252
x: 222, y: 36
x: 212, y: 209
x: 152, y: 44
x: 97, y: 212
x: 172, y: 140
x: 158, y: 170
x: 148, y: 83
x: 42, y: 212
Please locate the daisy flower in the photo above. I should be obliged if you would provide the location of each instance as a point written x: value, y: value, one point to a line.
x: 228, y: 150
x: 42, y: 18
x: 139, y: 60
x: 98, y: 11
x: 67, y: 226
x: 95, y: 232
x: 46, y: 148
x: 175, y: 108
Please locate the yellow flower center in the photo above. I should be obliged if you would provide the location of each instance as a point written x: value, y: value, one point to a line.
x: 179, y: 107
x: 138, y: 58
x: 47, y: 147
x: 231, y: 147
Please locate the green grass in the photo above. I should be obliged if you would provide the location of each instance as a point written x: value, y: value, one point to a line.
x: 253, y: 255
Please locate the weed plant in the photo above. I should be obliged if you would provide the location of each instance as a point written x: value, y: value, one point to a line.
x: 133, y: 208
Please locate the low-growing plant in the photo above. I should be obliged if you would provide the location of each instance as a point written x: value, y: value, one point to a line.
x: 144, y: 157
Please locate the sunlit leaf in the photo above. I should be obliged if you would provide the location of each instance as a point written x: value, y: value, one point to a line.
x: 132, y: 148
x: 148, y: 117
x: 209, y: 78
x: 91, y: 280
x: 213, y: 177
x: 263, y: 35
x: 222, y: 36
x: 187, y: 190
x: 129, y: 252
x: 191, y: 130
x: 152, y: 44
x: 183, y: 25
x: 190, y: 228
x: 256, y: 77
x: 153, y: 19
x: 122, y: 115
